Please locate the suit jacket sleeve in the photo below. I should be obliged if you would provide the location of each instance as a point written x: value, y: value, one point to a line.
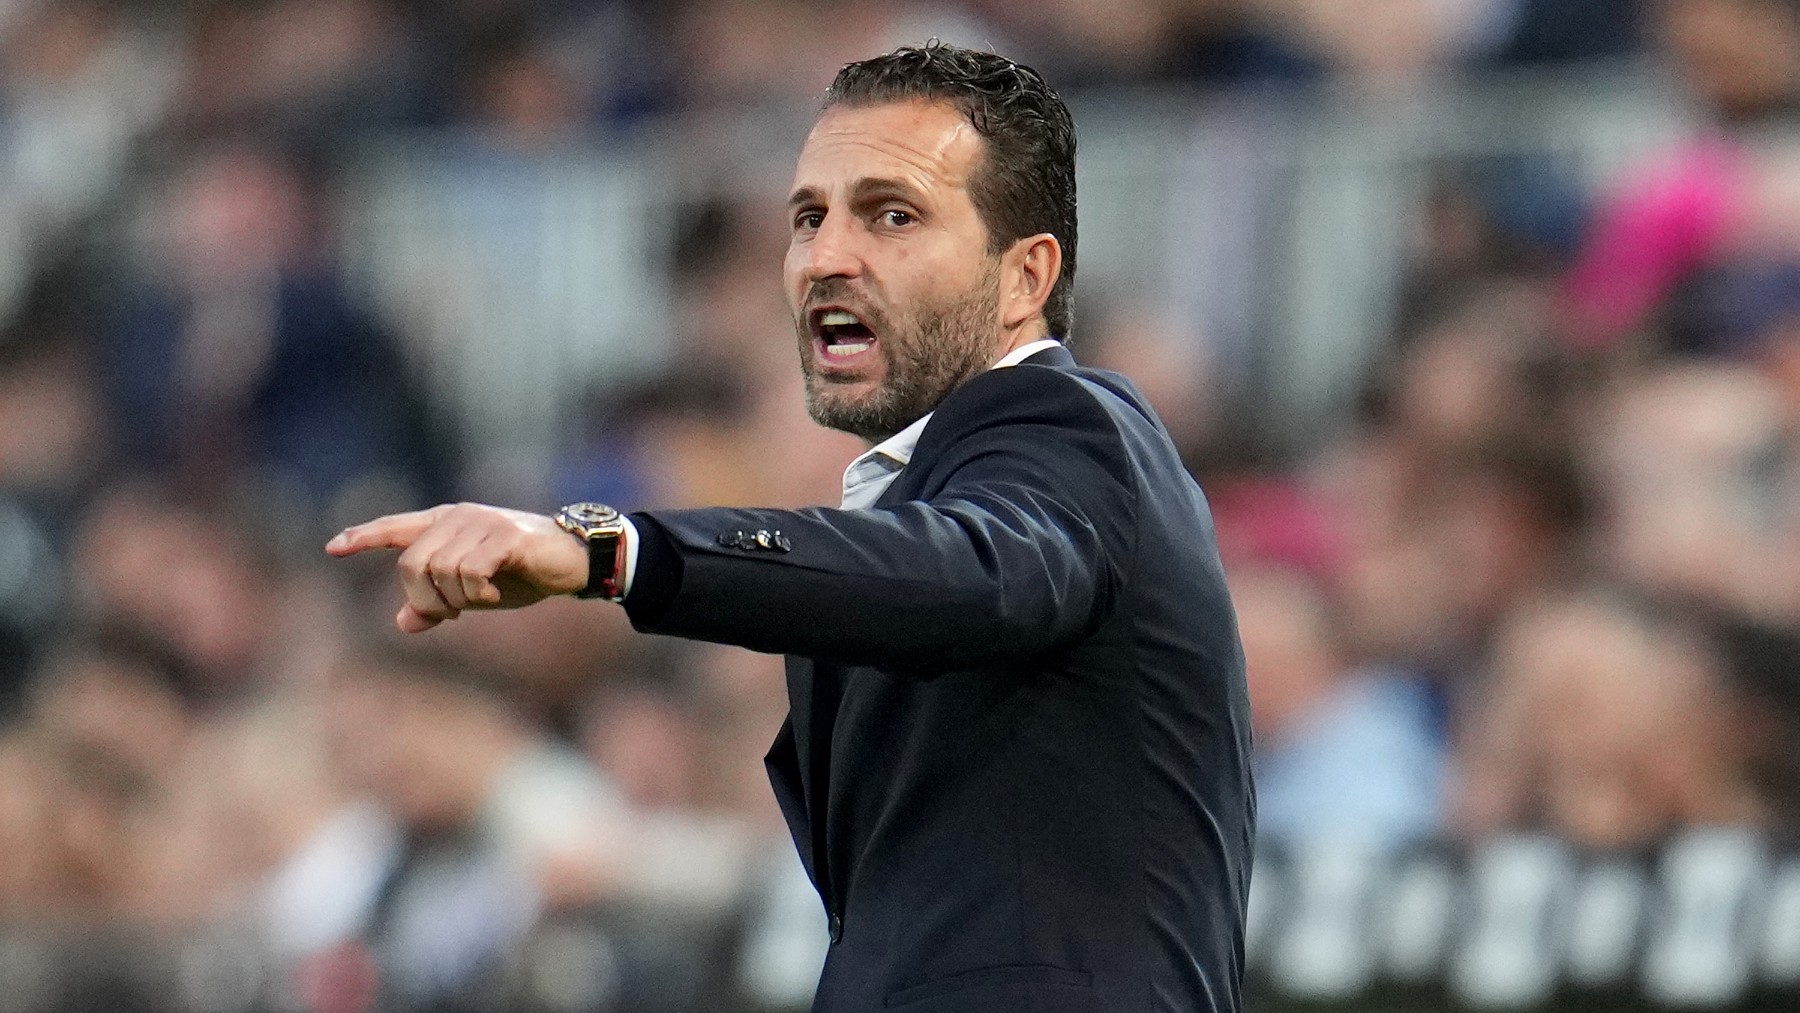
x: 1017, y: 546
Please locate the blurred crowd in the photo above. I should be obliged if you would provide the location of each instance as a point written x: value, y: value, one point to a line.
x: 1545, y: 578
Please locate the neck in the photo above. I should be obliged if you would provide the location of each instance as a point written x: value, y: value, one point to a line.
x: 1036, y: 331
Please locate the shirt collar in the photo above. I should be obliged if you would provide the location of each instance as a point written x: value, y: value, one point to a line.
x: 1025, y: 351
x: 895, y: 452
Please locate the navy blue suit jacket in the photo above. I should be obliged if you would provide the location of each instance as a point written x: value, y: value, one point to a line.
x: 1017, y: 759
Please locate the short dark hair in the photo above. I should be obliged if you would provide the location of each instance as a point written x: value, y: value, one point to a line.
x: 1026, y: 183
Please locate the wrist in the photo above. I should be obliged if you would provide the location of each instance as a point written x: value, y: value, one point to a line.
x: 604, y: 534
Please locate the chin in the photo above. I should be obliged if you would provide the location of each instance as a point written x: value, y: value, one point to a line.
x: 835, y: 412
x: 854, y: 396
x: 856, y: 415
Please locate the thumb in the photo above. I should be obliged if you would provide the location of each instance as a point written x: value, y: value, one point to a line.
x: 410, y: 620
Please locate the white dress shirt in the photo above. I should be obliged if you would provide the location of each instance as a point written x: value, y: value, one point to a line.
x: 874, y: 469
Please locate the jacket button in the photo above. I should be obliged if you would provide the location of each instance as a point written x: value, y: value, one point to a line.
x: 763, y: 541
x: 781, y: 542
x: 729, y: 539
x: 836, y: 924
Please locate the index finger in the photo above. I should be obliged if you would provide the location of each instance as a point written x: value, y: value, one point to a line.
x: 395, y: 531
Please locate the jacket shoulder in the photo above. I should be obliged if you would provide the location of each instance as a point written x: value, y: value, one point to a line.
x: 1070, y: 398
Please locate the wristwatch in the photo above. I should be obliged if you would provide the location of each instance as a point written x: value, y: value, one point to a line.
x: 603, y: 529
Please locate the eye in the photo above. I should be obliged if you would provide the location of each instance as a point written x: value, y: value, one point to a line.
x: 809, y: 219
x: 897, y: 217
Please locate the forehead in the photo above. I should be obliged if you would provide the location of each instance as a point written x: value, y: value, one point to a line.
x: 927, y: 143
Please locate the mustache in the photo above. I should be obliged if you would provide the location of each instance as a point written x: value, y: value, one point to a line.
x: 839, y: 292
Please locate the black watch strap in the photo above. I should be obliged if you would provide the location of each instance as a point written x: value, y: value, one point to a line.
x: 606, y: 567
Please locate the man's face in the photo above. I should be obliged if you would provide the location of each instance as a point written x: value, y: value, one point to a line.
x: 896, y: 298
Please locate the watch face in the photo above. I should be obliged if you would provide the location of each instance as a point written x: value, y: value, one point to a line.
x: 585, y: 519
x: 593, y: 513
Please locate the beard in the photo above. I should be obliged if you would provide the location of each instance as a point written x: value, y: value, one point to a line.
x: 927, y: 353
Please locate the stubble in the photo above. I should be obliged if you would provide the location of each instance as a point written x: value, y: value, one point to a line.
x: 927, y: 353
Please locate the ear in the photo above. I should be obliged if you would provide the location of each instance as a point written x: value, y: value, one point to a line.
x: 1031, y: 269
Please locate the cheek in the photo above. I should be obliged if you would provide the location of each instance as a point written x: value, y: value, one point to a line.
x: 793, y: 277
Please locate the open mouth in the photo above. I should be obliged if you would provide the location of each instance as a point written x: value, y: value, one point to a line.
x: 841, y: 336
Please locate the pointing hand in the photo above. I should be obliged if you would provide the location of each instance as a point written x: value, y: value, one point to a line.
x: 470, y: 556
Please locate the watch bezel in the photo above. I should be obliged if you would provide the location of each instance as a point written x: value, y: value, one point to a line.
x: 589, y: 519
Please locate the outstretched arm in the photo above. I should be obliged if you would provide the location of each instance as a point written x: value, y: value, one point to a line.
x: 1017, y: 548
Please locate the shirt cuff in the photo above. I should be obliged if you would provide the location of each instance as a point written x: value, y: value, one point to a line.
x: 632, y: 538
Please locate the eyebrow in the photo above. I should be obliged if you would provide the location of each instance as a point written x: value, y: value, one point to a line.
x: 864, y: 189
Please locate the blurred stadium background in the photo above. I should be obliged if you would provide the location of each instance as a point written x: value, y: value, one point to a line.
x: 1479, y: 319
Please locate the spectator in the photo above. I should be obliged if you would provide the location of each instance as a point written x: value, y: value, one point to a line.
x: 1604, y: 724
x: 168, y: 574
x: 1342, y: 754
x: 491, y: 813
x: 1726, y: 190
x: 31, y: 873
x: 1693, y: 467
x: 242, y: 356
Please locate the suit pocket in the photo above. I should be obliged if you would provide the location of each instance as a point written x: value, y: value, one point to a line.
x: 1015, y: 979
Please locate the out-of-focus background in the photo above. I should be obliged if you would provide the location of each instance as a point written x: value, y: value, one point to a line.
x: 1478, y: 319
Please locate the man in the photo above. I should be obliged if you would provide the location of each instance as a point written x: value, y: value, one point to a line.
x: 1016, y: 759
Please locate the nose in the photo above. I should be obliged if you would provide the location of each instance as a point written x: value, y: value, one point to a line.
x: 833, y: 250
